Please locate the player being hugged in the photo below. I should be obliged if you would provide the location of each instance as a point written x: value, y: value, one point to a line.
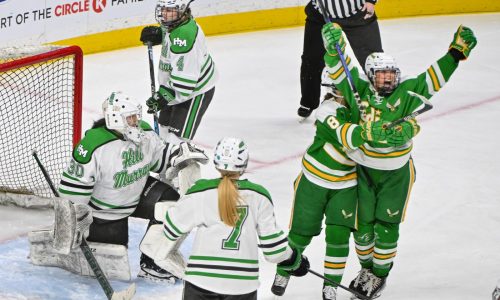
x: 106, y: 182
x: 234, y: 217
x: 187, y: 73
x: 385, y: 168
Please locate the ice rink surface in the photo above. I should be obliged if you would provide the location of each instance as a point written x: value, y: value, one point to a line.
x: 449, y: 245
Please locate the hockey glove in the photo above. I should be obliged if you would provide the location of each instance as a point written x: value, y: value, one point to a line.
x: 152, y: 34
x: 463, y: 42
x: 160, y: 99
x: 332, y: 34
x: 402, y: 133
x: 373, y: 131
x: 297, y: 265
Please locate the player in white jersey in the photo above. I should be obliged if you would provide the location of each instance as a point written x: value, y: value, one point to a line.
x: 109, y: 172
x: 187, y: 72
x: 234, y: 217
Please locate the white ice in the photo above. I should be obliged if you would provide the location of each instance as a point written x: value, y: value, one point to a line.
x: 450, y: 241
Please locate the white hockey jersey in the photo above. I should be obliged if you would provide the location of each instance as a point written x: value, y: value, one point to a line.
x: 108, y: 173
x: 186, y: 67
x: 224, y: 259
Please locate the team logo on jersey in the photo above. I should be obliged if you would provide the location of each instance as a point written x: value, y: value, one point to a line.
x: 179, y: 42
x: 346, y: 215
x: 131, y: 157
x: 392, y: 214
x: 395, y: 106
x: 81, y: 151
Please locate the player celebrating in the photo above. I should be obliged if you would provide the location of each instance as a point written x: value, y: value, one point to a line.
x: 386, y: 172
x: 327, y: 187
x: 187, y: 72
x: 234, y: 217
x: 108, y: 179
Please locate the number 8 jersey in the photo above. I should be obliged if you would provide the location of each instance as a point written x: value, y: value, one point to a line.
x: 225, y: 259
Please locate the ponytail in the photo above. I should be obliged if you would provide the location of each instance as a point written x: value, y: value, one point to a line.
x: 228, y: 198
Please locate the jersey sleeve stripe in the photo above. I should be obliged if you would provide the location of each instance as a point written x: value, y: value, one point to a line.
x: 439, y: 74
x: 434, y: 79
x: 275, y: 251
x: 272, y: 245
x: 169, y: 233
x: 185, y: 80
x: 271, y: 236
x: 78, y: 186
x: 63, y: 191
x: 171, y: 224
x: 389, y: 154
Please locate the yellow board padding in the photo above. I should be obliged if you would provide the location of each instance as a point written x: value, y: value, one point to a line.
x: 280, y: 17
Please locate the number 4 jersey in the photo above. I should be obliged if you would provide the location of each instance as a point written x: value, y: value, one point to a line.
x: 225, y: 259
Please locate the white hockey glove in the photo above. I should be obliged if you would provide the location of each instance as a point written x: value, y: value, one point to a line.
x: 71, y: 225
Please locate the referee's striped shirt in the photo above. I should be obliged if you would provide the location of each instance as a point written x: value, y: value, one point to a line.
x: 340, y: 9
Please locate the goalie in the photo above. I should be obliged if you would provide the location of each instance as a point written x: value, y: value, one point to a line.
x: 106, y: 182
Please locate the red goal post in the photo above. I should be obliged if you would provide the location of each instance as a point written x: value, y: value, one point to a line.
x: 40, y: 110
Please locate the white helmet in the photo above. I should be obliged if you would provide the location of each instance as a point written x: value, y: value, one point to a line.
x: 378, y: 61
x: 231, y: 154
x: 122, y: 114
x: 181, y: 6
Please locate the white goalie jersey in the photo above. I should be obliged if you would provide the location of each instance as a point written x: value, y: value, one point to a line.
x: 186, y: 67
x: 224, y: 259
x: 108, y: 173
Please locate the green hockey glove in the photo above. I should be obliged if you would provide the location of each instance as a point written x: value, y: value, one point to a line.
x: 463, y: 42
x: 160, y: 99
x: 402, y: 133
x: 297, y: 265
x: 332, y: 34
x: 373, y: 131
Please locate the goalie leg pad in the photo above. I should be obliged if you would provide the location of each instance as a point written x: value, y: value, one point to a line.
x: 163, y: 251
x: 71, y: 224
x: 113, y: 259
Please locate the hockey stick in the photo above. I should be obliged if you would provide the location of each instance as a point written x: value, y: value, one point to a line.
x: 427, y: 106
x: 360, y: 296
x: 89, y: 256
x: 153, y: 87
x: 344, y: 64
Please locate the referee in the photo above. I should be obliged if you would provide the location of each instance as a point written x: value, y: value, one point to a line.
x: 359, y: 22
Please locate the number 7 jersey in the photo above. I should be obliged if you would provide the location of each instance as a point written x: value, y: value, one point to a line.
x: 225, y: 259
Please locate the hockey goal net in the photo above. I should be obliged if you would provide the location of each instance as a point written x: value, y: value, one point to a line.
x: 40, y: 110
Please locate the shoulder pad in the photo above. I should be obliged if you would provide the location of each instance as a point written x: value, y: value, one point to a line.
x: 183, y: 37
x: 203, y: 185
x: 93, y: 139
x: 248, y: 185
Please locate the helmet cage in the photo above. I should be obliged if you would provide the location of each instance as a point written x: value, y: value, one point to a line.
x: 382, y: 62
x: 117, y: 108
x: 180, y: 6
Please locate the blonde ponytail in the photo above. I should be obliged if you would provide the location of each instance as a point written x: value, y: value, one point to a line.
x: 228, y: 198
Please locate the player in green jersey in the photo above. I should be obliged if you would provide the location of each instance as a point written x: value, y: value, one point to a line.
x: 385, y: 170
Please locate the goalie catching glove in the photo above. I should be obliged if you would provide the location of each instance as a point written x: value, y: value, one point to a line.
x: 160, y: 99
x: 463, y: 43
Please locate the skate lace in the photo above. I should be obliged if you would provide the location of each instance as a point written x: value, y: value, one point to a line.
x: 362, y: 277
x: 280, y: 280
x: 329, y: 292
x: 372, y: 284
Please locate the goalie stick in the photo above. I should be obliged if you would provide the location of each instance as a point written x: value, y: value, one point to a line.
x: 360, y: 296
x: 153, y: 87
x: 89, y: 256
x: 427, y: 106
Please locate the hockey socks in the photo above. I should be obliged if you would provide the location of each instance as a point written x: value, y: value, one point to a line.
x: 337, y: 250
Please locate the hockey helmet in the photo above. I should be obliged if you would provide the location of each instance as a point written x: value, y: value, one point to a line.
x: 231, y: 154
x: 170, y: 13
x: 122, y: 114
x: 379, y: 61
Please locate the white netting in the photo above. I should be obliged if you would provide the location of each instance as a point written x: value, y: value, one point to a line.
x: 37, y: 111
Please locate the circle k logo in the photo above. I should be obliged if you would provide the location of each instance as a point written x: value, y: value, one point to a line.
x: 98, y: 5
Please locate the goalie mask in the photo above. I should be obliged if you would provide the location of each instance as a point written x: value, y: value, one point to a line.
x: 123, y: 115
x: 383, y: 72
x: 231, y: 154
x: 171, y: 13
